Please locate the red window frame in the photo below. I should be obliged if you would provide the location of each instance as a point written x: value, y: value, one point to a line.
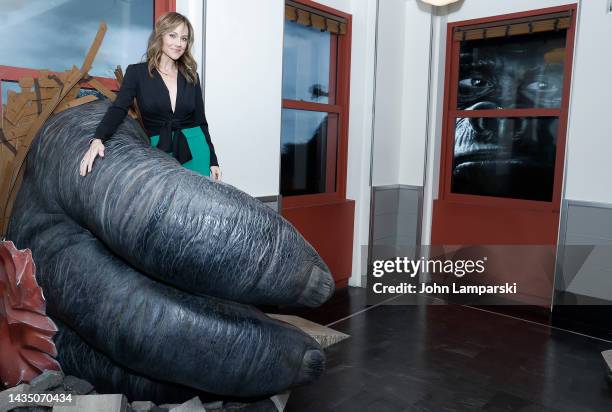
x: 12, y: 73
x: 451, y: 113
x: 337, y: 150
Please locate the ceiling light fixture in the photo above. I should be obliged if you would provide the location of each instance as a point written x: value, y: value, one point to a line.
x: 439, y: 2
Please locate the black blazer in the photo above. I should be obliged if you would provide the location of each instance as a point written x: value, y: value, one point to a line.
x: 153, y: 100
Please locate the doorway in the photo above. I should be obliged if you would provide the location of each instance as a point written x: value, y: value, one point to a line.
x: 503, y: 145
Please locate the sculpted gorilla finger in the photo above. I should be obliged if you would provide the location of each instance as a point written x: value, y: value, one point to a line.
x: 200, y: 235
x: 79, y: 359
x: 156, y: 330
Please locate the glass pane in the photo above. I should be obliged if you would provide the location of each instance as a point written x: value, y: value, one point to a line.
x: 306, y: 64
x: 512, y: 72
x: 505, y: 157
x: 56, y: 34
x: 6, y: 86
x: 308, y: 155
x: 94, y: 92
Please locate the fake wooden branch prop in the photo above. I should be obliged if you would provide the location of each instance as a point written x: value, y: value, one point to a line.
x: 25, y: 113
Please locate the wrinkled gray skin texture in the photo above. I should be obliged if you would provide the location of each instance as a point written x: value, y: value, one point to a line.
x: 150, y: 270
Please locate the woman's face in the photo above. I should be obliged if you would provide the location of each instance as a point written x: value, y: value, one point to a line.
x: 175, y: 42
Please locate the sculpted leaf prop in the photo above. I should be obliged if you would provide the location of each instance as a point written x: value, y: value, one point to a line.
x: 26, y: 348
x: 150, y: 268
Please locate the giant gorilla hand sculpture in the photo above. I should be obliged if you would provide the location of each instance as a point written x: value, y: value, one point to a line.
x: 148, y: 269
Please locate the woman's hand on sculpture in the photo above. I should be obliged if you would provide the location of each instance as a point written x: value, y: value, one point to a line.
x: 215, y: 173
x: 96, y: 148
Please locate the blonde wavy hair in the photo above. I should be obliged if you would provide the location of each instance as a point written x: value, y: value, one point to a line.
x: 165, y: 24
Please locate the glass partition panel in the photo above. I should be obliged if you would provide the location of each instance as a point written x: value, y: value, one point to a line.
x: 307, y: 64
x: 308, y: 158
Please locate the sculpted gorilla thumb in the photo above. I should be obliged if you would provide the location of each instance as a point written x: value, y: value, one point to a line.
x: 149, y: 269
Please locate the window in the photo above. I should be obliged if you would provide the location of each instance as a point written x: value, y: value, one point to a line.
x: 507, y: 109
x: 54, y: 35
x: 315, y: 103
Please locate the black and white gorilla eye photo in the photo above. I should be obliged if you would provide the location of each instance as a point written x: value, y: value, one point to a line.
x: 508, y: 157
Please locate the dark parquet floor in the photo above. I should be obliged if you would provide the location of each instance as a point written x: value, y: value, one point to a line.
x: 451, y: 358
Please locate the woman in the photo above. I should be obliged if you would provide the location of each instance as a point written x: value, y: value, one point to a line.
x: 167, y: 89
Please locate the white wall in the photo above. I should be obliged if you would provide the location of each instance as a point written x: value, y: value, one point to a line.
x: 589, y: 144
x: 244, y: 113
x: 193, y: 10
x: 244, y: 48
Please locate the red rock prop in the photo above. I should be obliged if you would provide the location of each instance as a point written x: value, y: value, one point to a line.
x: 26, y: 345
